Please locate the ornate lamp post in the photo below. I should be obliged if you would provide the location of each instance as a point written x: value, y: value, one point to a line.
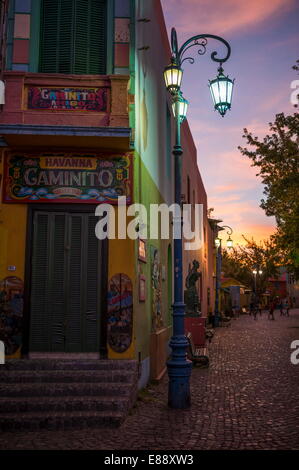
x: 255, y: 272
x: 179, y: 368
x: 229, y: 244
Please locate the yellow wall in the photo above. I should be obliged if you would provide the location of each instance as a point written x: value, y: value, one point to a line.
x: 121, y: 259
x: 12, y: 239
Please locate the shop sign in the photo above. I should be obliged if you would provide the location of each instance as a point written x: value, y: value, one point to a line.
x: 68, y: 99
x: 92, y: 178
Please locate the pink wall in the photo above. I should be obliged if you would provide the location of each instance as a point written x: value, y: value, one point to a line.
x: 15, y: 110
x: 197, y: 195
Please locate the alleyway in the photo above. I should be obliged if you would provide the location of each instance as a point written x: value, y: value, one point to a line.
x: 247, y: 399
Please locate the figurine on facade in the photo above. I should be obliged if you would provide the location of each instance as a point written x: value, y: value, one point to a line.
x: 157, y: 320
x: 191, y: 297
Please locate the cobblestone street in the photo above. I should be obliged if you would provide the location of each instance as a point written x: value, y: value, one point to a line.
x: 247, y: 399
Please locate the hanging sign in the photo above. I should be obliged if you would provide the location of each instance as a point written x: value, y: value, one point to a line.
x: 68, y: 99
x: 68, y: 178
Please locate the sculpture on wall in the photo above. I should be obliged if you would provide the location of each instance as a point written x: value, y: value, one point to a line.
x: 191, y: 297
x: 157, y: 320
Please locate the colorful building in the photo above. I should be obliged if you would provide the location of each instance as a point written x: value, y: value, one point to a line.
x: 86, y: 119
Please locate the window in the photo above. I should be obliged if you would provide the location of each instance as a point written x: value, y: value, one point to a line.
x: 73, y: 36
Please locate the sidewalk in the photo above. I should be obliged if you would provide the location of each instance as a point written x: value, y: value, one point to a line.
x: 247, y: 399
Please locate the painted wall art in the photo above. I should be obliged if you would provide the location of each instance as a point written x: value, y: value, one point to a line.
x: 120, y: 312
x: 11, y: 314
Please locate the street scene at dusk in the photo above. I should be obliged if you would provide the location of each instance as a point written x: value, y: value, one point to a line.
x: 149, y: 228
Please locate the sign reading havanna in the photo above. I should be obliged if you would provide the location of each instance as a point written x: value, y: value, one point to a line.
x: 68, y: 177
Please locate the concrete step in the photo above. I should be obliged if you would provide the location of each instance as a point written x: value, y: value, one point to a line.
x: 61, y: 394
x: 69, y: 364
x: 63, y: 389
x: 34, y: 421
x: 65, y: 403
x: 67, y: 376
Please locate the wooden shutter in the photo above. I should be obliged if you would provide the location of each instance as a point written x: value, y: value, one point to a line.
x: 74, y: 290
x: 73, y: 36
x: 92, y: 313
x: 49, y: 36
x: 57, y: 282
x: 65, y: 283
x: 39, y: 319
x: 48, y: 283
x: 83, y: 309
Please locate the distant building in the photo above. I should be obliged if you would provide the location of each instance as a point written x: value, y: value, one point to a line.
x: 277, y: 287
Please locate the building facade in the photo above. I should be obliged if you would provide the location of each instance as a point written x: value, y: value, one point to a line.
x: 86, y: 120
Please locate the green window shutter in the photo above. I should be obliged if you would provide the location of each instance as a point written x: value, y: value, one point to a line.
x: 73, y: 36
x: 39, y: 319
x: 49, y: 36
x: 92, y: 285
x: 97, y: 37
x: 75, y: 282
x: 65, y: 36
x: 57, y: 271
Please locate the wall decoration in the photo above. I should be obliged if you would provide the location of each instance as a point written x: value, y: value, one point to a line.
x: 142, y: 288
x: 68, y: 177
x: 157, y: 319
x: 11, y: 314
x: 120, y: 312
x: 191, y: 297
x: 142, y: 250
x: 68, y: 99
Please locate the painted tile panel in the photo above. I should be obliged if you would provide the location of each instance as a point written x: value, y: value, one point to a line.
x: 122, y: 8
x: 121, y: 71
x: 22, y: 6
x: 20, y: 67
x: 121, y: 55
x: 122, y: 30
x: 20, y: 51
x: 22, y: 26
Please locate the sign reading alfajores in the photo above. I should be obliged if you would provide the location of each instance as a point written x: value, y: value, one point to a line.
x: 68, y: 178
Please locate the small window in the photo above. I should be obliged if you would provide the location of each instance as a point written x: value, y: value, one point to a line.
x: 73, y: 36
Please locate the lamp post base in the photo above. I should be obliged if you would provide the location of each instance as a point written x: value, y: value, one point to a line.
x: 179, y: 372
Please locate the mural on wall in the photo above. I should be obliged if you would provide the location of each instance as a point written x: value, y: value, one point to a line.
x: 191, y: 297
x: 11, y: 314
x: 156, y: 278
x: 82, y: 99
x: 68, y: 177
x: 120, y: 312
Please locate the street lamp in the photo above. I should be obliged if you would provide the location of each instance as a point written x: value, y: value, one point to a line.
x: 255, y: 272
x: 221, y: 90
x: 179, y: 367
x: 229, y: 244
x: 182, y: 104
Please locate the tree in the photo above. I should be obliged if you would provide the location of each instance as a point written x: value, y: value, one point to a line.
x: 240, y: 262
x: 277, y: 159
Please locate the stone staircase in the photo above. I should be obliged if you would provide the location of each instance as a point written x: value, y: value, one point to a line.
x: 62, y: 394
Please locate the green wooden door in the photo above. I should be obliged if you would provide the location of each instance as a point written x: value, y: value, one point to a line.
x: 65, y: 283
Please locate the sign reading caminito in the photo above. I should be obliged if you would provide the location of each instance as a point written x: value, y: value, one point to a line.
x: 68, y: 177
x: 82, y: 99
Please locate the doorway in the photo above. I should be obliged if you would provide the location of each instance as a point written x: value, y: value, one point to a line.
x: 67, y: 279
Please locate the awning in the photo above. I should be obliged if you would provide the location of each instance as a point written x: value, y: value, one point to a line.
x: 19, y: 135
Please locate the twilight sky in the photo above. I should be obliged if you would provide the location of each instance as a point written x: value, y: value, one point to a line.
x: 264, y: 37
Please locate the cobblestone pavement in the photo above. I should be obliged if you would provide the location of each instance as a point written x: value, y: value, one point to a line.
x: 247, y: 399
